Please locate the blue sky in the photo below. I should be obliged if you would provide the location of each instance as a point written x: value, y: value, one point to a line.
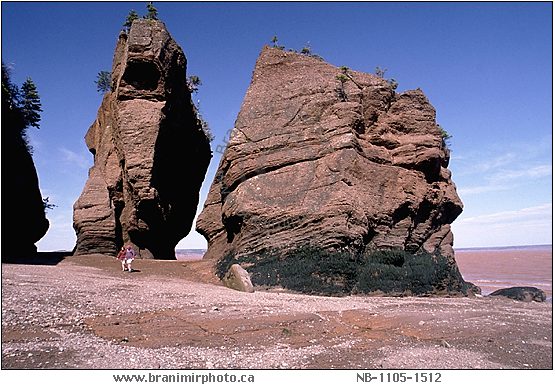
x: 486, y: 68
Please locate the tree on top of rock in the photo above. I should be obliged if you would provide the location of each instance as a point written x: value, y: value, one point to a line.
x: 21, y: 108
x: 132, y: 16
x: 152, y: 12
x: 30, y: 103
x: 275, y: 43
x: 9, y: 92
x: 380, y: 72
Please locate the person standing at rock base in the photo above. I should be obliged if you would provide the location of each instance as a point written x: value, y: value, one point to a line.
x: 121, y: 258
x: 129, y: 256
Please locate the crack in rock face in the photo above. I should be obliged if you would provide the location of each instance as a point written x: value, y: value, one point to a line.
x: 364, y: 170
x: 141, y: 189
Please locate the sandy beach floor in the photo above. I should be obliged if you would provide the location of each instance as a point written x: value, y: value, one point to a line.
x: 84, y: 312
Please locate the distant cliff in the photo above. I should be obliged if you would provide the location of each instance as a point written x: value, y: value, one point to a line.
x: 143, y: 188
x: 332, y: 158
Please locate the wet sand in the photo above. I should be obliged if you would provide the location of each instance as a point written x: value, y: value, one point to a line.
x: 84, y: 312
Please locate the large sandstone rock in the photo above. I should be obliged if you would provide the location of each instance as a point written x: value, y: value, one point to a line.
x: 351, y: 166
x: 23, y: 219
x: 142, y: 189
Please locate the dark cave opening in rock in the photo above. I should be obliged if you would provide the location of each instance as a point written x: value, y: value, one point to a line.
x: 142, y: 75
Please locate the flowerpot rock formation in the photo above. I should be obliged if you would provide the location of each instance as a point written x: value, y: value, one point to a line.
x: 330, y: 157
x: 142, y: 190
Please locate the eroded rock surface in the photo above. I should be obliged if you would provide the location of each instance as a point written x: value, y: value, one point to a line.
x: 338, y: 164
x: 142, y: 190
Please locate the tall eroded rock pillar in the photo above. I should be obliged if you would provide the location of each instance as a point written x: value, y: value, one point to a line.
x: 141, y: 189
x: 332, y: 158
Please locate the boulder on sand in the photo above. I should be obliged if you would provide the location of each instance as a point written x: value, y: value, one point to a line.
x: 521, y: 293
x: 238, y: 278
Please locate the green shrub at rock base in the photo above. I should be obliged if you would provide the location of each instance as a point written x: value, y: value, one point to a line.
x: 306, y: 270
x: 400, y: 272
x: 311, y: 270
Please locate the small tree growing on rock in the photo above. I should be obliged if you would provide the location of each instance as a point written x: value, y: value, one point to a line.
x: 275, y: 43
x: 30, y: 103
x: 47, y: 205
x: 193, y: 83
x: 132, y: 16
x: 380, y: 72
x: 103, y: 81
x: 340, y: 89
x: 152, y: 12
x: 306, y: 50
x: 21, y: 108
x: 393, y: 83
x: 343, y: 78
x: 445, y: 136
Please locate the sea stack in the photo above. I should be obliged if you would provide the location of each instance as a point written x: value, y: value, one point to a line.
x: 333, y: 158
x: 23, y: 217
x: 142, y: 190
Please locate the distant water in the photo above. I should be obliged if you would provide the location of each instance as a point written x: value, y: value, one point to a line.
x: 499, y: 267
x: 189, y: 254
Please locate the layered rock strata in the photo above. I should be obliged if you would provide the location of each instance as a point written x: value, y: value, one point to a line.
x: 142, y: 189
x: 330, y: 157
